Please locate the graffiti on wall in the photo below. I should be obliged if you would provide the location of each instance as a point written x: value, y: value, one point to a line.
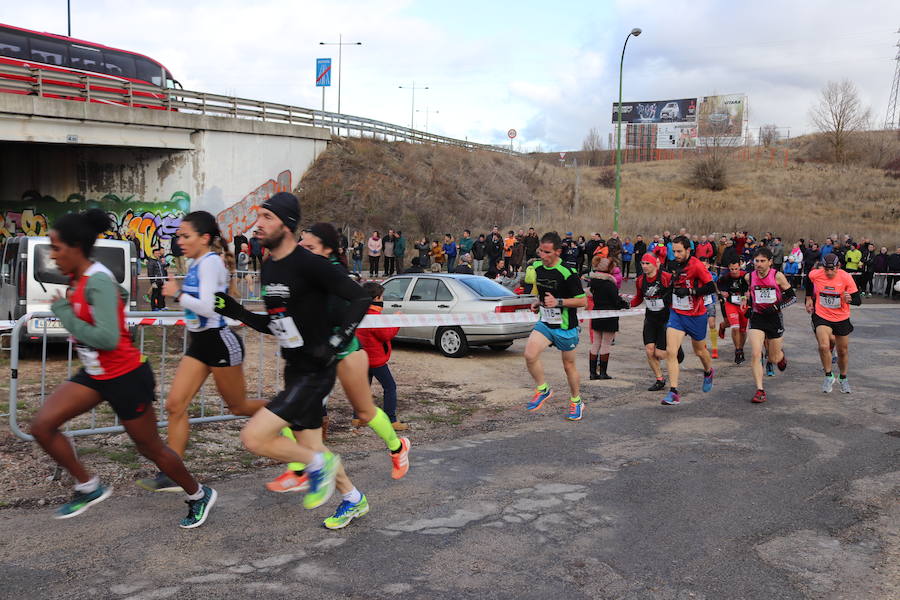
x: 241, y: 216
x: 153, y: 223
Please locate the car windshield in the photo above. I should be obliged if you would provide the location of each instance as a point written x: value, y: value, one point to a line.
x: 485, y: 287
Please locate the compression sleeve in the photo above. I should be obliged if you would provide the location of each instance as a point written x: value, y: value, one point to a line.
x: 638, y: 292
x: 211, y: 272
x: 102, y: 294
x: 336, y: 282
x: 706, y: 289
x: 856, y: 298
x: 808, y: 287
x: 788, y: 297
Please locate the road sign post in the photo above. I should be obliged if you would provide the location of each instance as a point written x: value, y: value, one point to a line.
x: 323, y: 76
x: 512, y: 133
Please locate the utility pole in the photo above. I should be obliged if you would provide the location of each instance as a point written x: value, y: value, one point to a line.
x: 891, y: 121
x: 412, y: 110
x: 69, y: 15
x: 340, y: 44
x: 577, y: 186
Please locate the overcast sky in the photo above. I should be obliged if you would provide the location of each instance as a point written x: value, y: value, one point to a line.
x: 549, y: 70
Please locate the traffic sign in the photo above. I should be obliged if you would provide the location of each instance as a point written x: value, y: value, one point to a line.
x: 562, y: 156
x: 323, y: 72
x: 511, y: 133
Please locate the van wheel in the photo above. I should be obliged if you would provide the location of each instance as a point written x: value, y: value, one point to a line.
x: 451, y: 341
x: 500, y: 347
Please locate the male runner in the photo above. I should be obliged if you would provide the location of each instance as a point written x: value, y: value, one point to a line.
x: 768, y: 294
x: 733, y: 290
x: 829, y: 293
x: 296, y: 287
x: 560, y: 295
x: 691, y: 282
x: 654, y: 289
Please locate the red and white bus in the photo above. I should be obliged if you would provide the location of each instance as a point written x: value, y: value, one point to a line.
x: 60, y: 54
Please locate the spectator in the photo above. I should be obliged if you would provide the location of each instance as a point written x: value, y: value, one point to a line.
x: 740, y: 240
x: 518, y: 254
x: 400, y: 251
x: 376, y: 342
x: 826, y: 249
x: 867, y: 265
x: 178, y: 255
x: 879, y: 266
x: 627, y: 253
x: 466, y: 242
x: 450, y: 249
x: 852, y: 260
x: 894, y: 269
x: 387, y: 250
x: 730, y: 254
x: 239, y: 241
x: 243, y: 260
x: 777, y: 248
x: 494, y: 249
x: 640, y: 249
x: 704, y: 249
x: 437, y: 256
x: 479, y: 247
x: 532, y: 241
x: 424, y: 250
x: 810, y: 256
x: 508, y: 243
x: 374, y: 249
x: 792, y: 263
x: 591, y: 245
x: 256, y: 254
x: 465, y: 266
x: 156, y: 269
x: 582, y: 245
x: 498, y: 271
x: 357, y: 247
x: 416, y: 266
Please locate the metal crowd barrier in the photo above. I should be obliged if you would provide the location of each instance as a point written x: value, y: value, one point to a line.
x: 163, y: 349
x: 247, y: 282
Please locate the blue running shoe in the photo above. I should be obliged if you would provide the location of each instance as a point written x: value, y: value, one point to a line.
x: 539, y: 398
x: 575, y: 410
x: 346, y: 512
x: 671, y: 399
x: 321, y: 482
x: 708, y: 381
x: 770, y: 369
x: 198, y: 510
x: 81, y: 502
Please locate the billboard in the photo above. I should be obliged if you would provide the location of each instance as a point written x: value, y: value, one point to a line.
x: 676, y: 135
x: 657, y: 111
x: 721, y: 120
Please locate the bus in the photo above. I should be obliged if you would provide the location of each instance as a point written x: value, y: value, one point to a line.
x: 54, y: 54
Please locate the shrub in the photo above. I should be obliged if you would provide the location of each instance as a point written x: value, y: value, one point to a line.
x: 607, y: 177
x: 709, y: 171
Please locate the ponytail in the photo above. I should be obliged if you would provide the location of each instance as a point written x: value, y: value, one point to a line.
x: 221, y: 248
x: 205, y: 224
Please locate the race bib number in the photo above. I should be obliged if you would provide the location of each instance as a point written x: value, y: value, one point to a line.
x: 655, y: 304
x: 191, y: 319
x: 709, y: 299
x: 830, y: 301
x: 682, y: 302
x: 764, y: 295
x: 285, y: 330
x: 735, y: 299
x: 90, y: 360
x: 551, y: 316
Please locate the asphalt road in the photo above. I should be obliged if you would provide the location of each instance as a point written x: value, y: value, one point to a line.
x: 716, y: 498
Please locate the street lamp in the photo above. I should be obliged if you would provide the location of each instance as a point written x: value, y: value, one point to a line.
x: 340, y: 44
x: 412, y: 110
x: 428, y: 112
x: 634, y: 32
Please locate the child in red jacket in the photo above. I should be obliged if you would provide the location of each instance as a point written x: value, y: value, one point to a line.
x: 377, y: 344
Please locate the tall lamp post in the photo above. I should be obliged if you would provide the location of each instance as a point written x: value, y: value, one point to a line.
x: 428, y: 112
x: 340, y: 44
x: 412, y: 110
x: 634, y: 32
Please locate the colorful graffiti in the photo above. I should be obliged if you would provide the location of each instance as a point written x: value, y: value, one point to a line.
x: 153, y: 223
x: 241, y: 216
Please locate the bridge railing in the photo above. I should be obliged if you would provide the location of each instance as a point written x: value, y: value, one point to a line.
x: 112, y: 91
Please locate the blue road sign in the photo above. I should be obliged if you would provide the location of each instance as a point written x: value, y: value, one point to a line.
x: 323, y: 72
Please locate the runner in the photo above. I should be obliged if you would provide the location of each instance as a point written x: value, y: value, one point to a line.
x: 352, y: 371
x: 710, y: 301
x: 733, y: 291
x: 768, y: 294
x: 654, y: 288
x: 829, y: 293
x: 113, y: 370
x: 560, y: 295
x: 691, y: 282
x: 296, y: 289
x: 213, y: 348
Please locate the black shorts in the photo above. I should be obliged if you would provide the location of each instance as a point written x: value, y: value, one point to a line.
x: 772, y: 325
x: 302, y: 403
x: 655, y: 333
x: 605, y: 324
x: 131, y: 395
x: 841, y: 328
x: 216, y: 347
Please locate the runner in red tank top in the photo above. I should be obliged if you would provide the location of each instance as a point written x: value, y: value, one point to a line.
x: 113, y: 370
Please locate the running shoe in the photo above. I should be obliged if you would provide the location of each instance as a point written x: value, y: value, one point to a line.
x: 770, y: 369
x: 198, y: 510
x: 845, y: 385
x: 657, y: 385
x: 722, y: 330
x: 739, y: 356
x: 346, y: 512
x: 575, y: 410
x: 828, y: 384
x: 715, y: 353
x: 759, y: 397
x: 671, y: 399
x: 782, y: 364
x: 159, y: 483
x: 321, y: 482
x: 708, y: 381
x: 81, y: 501
x: 400, y: 459
x: 539, y: 398
x: 289, y: 481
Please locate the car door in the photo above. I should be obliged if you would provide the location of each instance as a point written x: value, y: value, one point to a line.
x: 429, y: 296
x: 395, y: 299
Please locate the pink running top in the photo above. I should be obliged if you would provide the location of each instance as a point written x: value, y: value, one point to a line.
x: 764, y: 292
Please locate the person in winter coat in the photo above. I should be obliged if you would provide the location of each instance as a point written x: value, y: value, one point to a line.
x: 605, y: 296
x: 400, y: 251
x: 377, y: 344
x: 494, y: 249
x: 777, y: 249
x: 479, y: 250
x: 387, y: 251
x: 450, y: 250
x: 437, y: 254
x: 374, y: 247
x: 423, y: 247
x: 792, y: 263
x: 867, y: 264
x: 532, y: 241
x: 518, y: 254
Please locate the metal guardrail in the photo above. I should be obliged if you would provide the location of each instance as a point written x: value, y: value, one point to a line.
x: 88, y: 88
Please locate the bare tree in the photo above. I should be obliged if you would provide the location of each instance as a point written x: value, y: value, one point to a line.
x: 592, y: 147
x: 838, y: 115
x: 768, y: 135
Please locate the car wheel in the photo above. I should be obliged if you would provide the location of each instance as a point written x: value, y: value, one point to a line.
x: 451, y: 341
x: 499, y: 347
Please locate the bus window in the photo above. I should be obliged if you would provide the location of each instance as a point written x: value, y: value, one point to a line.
x: 49, y: 52
x: 149, y: 72
x: 13, y: 45
x: 119, y: 64
x: 86, y: 59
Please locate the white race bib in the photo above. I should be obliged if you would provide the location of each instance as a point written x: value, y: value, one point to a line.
x: 735, y: 299
x: 551, y: 316
x: 682, y: 302
x: 191, y: 319
x: 286, y: 331
x: 709, y: 299
x: 655, y: 304
x: 764, y: 295
x: 830, y: 301
x: 90, y: 360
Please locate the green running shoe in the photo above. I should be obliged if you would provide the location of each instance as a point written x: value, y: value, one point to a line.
x: 198, y: 510
x: 346, y: 512
x: 321, y: 482
x: 159, y: 483
x: 81, y: 502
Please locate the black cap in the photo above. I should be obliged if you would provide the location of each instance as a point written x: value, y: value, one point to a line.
x: 832, y: 261
x: 286, y: 206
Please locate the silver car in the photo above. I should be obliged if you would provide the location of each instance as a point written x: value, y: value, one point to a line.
x: 444, y: 293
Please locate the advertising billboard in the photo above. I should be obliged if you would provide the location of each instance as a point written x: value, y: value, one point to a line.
x: 657, y: 111
x: 676, y: 135
x: 721, y: 120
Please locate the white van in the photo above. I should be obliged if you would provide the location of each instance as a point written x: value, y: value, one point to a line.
x: 29, y: 279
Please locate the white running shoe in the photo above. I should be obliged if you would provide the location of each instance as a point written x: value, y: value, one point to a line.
x: 828, y: 384
x: 845, y: 385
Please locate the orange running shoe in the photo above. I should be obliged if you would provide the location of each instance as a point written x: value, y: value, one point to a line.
x: 715, y: 353
x: 400, y: 459
x: 288, y: 482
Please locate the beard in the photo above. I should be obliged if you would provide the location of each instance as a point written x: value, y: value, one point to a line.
x: 272, y: 241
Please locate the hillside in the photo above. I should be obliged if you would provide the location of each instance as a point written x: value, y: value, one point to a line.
x: 366, y: 185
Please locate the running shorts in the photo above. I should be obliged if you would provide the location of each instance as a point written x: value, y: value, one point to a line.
x: 130, y: 395
x: 772, y: 325
x: 841, y: 328
x: 737, y: 317
x: 563, y: 339
x: 711, y: 310
x: 216, y: 347
x: 302, y: 402
x: 693, y: 325
x: 655, y: 333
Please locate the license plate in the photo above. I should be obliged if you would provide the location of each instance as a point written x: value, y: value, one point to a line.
x: 38, y: 324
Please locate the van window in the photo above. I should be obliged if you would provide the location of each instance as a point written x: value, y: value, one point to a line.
x: 45, y: 269
x: 9, y: 258
x: 13, y: 45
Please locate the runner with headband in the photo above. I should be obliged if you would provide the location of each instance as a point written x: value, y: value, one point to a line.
x: 654, y: 289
